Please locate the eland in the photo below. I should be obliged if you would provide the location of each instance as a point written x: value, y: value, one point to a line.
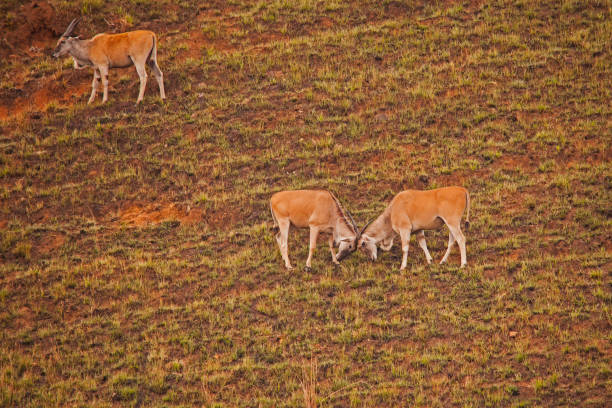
x: 105, y: 51
x: 318, y: 210
x: 413, y: 212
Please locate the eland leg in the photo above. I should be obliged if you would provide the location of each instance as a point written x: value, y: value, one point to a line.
x: 104, y: 74
x: 94, y: 86
x: 454, y: 228
x: 314, y: 233
x: 282, y: 237
x: 423, y: 245
x: 159, y: 76
x: 331, y: 249
x: 405, y: 238
x: 451, y: 242
x: 142, y: 73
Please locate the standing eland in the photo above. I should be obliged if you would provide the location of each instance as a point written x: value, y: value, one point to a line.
x: 105, y: 51
x: 413, y: 211
x: 320, y: 211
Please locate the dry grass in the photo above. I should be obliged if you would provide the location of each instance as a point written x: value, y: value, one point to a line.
x: 137, y: 265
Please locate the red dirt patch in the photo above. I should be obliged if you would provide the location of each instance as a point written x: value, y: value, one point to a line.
x: 326, y: 22
x: 50, y: 242
x: 512, y: 163
x: 36, y: 24
x: 25, y: 319
x: 144, y: 214
x: 37, y: 95
x: 198, y: 42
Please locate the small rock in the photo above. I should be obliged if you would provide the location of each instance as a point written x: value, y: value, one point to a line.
x: 513, y: 334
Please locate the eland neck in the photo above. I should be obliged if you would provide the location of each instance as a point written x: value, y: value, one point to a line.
x: 380, y: 228
x: 80, y: 51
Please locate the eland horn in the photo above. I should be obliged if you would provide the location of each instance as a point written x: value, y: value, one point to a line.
x: 352, y: 220
x: 365, y: 226
x: 71, y: 27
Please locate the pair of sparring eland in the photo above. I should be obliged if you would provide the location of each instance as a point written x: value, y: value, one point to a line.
x: 106, y: 51
x: 409, y: 212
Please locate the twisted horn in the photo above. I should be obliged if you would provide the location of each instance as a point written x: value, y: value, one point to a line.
x: 71, y: 27
x: 352, y: 220
x: 365, y: 226
x: 342, y: 211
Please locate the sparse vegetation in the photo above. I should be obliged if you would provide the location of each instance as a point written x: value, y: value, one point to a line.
x: 137, y: 267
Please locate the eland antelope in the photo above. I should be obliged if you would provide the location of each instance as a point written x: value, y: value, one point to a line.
x: 105, y: 51
x: 320, y: 211
x: 414, y: 211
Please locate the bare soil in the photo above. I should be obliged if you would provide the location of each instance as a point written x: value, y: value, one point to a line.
x: 36, y: 24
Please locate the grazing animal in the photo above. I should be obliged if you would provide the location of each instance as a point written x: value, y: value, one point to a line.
x: 321, y: 211
x: 413, y: 211
x: 105, y: 51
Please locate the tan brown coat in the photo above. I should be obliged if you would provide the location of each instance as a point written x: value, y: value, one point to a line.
x: 318, y: 210
x: 106, y: 51
x: 413, y: 211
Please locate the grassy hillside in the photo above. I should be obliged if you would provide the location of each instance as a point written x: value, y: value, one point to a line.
x: 137, y: 266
